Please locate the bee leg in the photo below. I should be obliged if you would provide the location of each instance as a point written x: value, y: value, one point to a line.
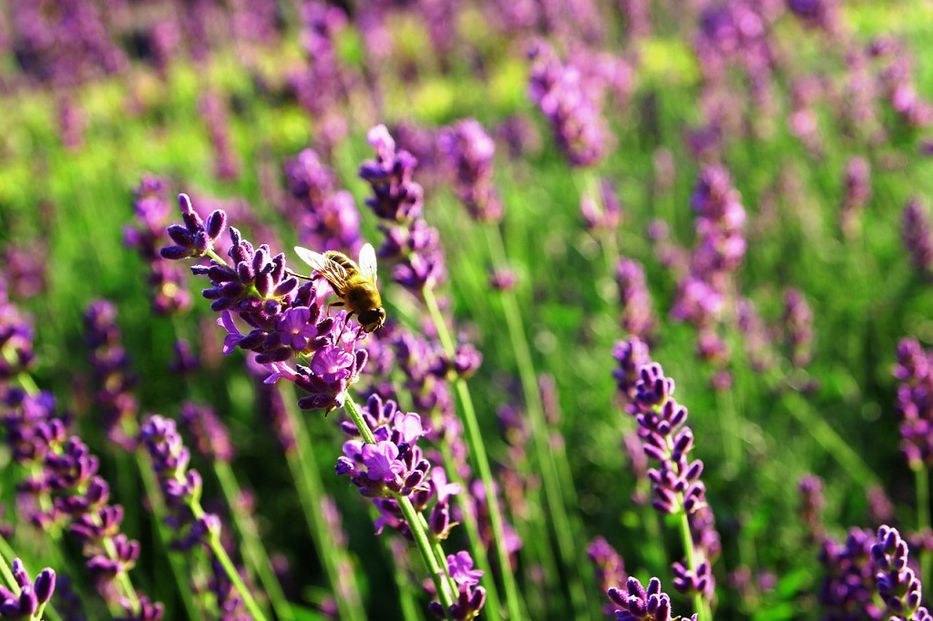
x: 345, y: 322
x: 334, y: 304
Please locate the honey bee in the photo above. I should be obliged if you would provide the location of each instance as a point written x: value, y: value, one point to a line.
x: 354, y: 284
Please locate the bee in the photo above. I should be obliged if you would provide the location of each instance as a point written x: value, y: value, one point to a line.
x: 354, y: 284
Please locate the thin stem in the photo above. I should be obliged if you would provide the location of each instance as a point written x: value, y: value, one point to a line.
x: 255, y: 551
x: 827, y: 437
x: 6, y: 556
x: 213, y: 541
x: 175, y: 559
x: 415, y: 524
x: 922, y: 480
x: 545, y: 452
x: 213, y: 254
x: 478, y: 451
x: 699, y: 602
x: 304, y: 472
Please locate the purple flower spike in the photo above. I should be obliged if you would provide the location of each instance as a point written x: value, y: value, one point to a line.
x: 798, y: 325
x: 608, y: 565
x: 469, y: 152
x: 637, y: 313
x: 32, y: 596
x: 914, y: 371
x: 636, y: 603
x: 898, y: 585
x: 396, y: 196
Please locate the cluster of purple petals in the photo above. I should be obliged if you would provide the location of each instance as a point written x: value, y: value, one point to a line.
x: 914, y: 373
x: 637, y: 313
x: 856, y: 193
x: 229, y: 603
x: 630, y: 355
x: 898, y: 586
x: 214, y: 112
x: 211, y: 437
x: 25, y: 268
x: 470, y: 596
x: 469, y: 151
x: 30, y: 596
x: 396, y: 467
x: 756, y: 335
x: 397, y: 200
x: 317, y: 85
x: 896, y: 83
x: 113, y: 378
x: 917, y: 236
x: 286, y: 321
x: 637, y: 603
x: 559, y: 91
x: 327, y: 217
x: 608, y: 566
x: 180, y: 484
x: 168, y: 287
x: 798, y: 327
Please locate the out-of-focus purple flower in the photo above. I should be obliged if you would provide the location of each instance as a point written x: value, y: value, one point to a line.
x: 917, y: 236
x: 848, y: 585
x: 502, y: 279
x: 822, y: 14
x: 168, y: 287
x: 214, y: 112
x: 608, y: 565
x: 559, y: 92
x: 211, y: 438
x: 30, y: 596
x: 636, y: 603
x: 880, y: 507
x: 602, y: 212
x: 16, y: 353
x: 519, y: 135
x: 180, y: 484
x: 327, y: 217
x: 798, y: 327
x: 469, y: 152
x: 637, y: 313
x: 811, y: 506
x: 856, y: 193
x: 113, y: 378
x: 631, y: 355
x: 757, y: 337
x: 898, y: 585
x: 185, y: 361
x: 914, y: 371
x: 24, y: 266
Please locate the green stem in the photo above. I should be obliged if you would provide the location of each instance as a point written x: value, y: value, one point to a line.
x: 827, y: 437
x: 176, y: 561
x: 699, y: 602
x: 546, y: 454
x: 471, y: 527
x: 415, y: 524
x: 254, y: 550
x: 922, y: 480
x: 478, y: 451
x: 213, y: 541
x: 303, y: 467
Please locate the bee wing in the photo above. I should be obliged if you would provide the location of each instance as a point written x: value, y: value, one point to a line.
x: 368, y: 262
x: 335, y: 274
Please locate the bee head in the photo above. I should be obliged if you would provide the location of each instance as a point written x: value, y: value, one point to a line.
x: 372, y: 319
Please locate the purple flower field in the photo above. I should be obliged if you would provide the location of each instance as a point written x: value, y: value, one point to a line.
x: 492, y: 309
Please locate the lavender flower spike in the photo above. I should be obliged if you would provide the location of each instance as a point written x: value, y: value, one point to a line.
x: 636, y: 603
x: 28, y: 598
x: 898, y: 585
x: 469, y: 151
x: 195, y: 238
